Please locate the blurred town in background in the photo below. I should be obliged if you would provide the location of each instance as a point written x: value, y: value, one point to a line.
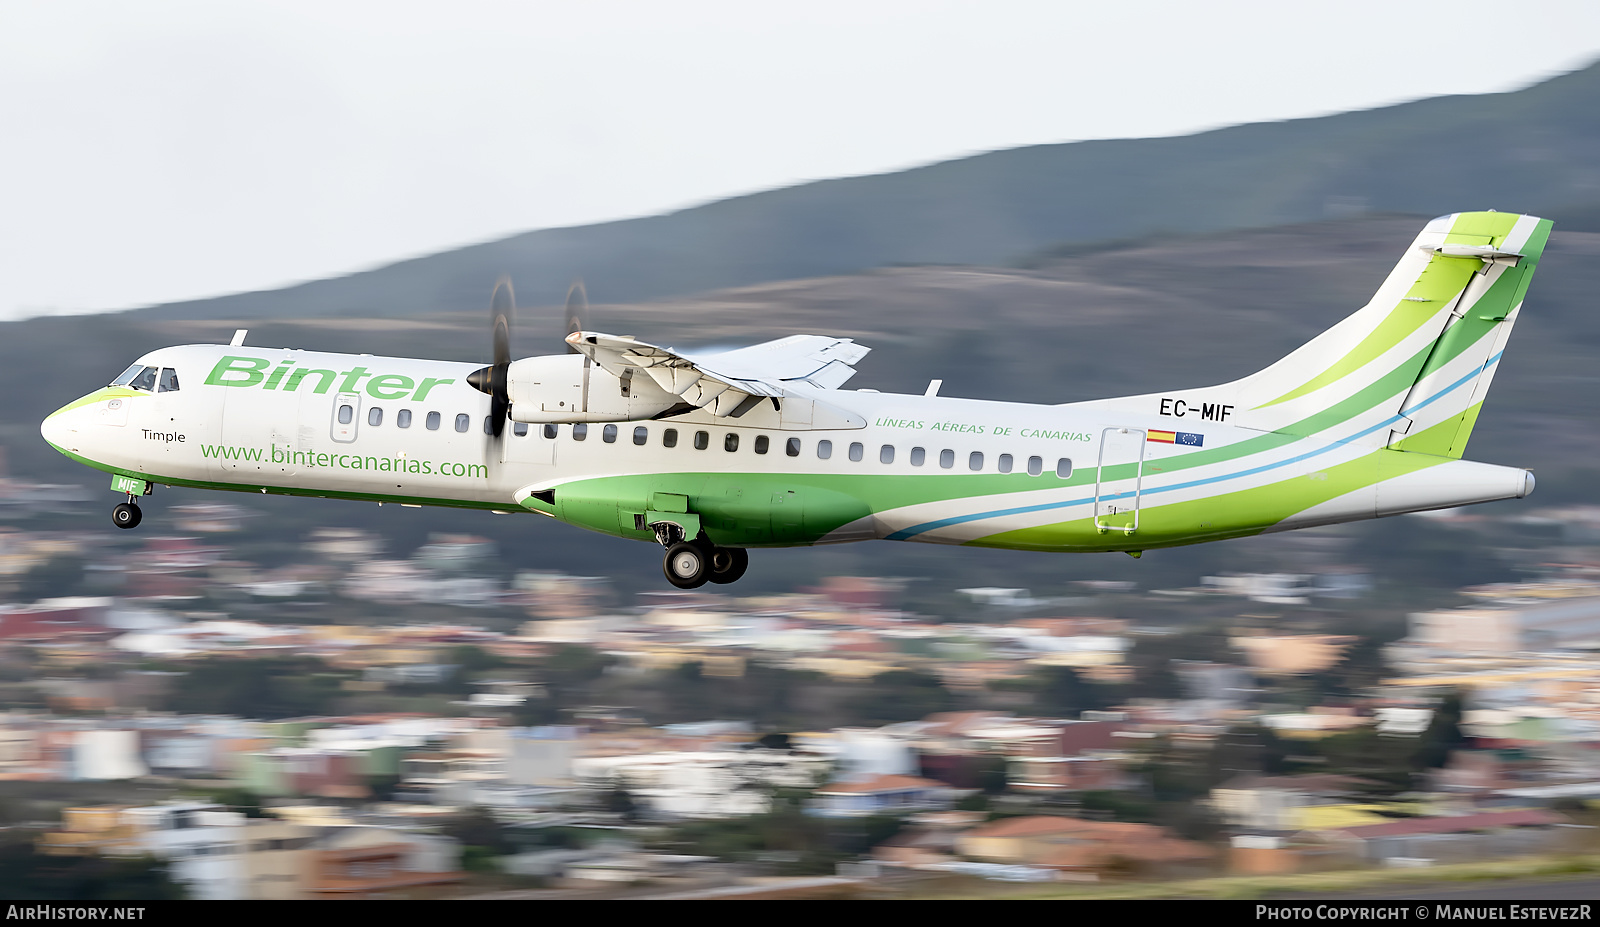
x: 193, y: 710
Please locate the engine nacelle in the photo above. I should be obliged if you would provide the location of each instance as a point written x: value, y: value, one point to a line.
x: 562, y: 388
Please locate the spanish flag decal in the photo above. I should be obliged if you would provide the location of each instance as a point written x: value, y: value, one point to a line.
x: 1186, y: 438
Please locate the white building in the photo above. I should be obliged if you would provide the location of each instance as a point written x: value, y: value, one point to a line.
x: 701, y: 784
x: 201, y: 842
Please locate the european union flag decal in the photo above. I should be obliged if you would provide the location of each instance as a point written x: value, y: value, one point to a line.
x: 1185, y: 438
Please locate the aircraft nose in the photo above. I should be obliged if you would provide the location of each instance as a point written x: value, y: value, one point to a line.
x: 60, y: 426
x: 53, y: 429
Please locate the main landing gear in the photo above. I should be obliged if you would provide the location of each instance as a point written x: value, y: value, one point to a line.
x: 126, y: 514
x: 691, y: 564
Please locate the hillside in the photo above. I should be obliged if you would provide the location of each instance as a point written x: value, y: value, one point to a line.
x: 1534, y: 150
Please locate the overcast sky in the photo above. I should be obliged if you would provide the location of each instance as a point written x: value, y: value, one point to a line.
x: 156, y: 151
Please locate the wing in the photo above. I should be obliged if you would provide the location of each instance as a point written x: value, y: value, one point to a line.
x: 730, y: 383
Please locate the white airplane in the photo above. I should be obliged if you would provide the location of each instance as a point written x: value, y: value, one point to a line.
x: 711, y: 454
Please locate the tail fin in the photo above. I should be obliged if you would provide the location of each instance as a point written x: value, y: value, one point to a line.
x: 1410, y: 369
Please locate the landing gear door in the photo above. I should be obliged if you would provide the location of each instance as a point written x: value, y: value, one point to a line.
x: 1118, y: 480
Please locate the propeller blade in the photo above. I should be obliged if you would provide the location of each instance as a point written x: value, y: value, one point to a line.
x: 502, y: 310
x: 492, y: 379
x: 577, y: 313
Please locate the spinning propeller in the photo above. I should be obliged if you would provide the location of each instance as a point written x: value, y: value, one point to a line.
x: 577, y: 313
x: 493, y: 379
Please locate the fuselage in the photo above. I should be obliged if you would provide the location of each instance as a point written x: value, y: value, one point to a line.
x: 836, y: 465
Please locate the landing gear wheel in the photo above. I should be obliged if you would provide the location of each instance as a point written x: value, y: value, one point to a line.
x: 126, y: 515
x: 728, y: 564
x: 686, y: 565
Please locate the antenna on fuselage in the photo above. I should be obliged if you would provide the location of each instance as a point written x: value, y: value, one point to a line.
x: 238, y: 337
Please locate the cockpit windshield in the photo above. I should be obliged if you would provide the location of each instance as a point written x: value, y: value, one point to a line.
x: 128, y: 375
x: 147, y: 378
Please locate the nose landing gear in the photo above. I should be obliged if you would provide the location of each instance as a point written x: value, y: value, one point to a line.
x: 126, y: 514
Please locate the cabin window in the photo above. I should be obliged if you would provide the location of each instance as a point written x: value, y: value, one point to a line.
x: 608, y: 434
x: 1035, y: 466
x: 1005, y: 463
x: 169, y: 380
x: 488, y: 424
x: 463, y: 422
x: 730, y: 442
x: 146, y: 380
x: 520, y: 429
x: 402, y: 419
x: 433, y: 421
x: 762, y: 444
x: 641, y: 434
x: 947, y: 458
x: 975, y: 460
x: 792, y: 447
x: 551, y: 429
x: 702, y: 440
x: 375, y: 416
x: 580, y: 431
x: 856, y: 450
x: 918, y: 455
x: 346, y: 413
x: 824, y: 449
x: 669, y: 438
x: 886, y: 454
x: 1063, y: 468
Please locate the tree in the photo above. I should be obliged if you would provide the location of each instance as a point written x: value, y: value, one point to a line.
x: 774, y: 741
x: 620, y: 801
x: 1443, y: 734
x: 1151, y: 658
x: 569, y: 672
x: 992, y: 774
x: 26, y: 875
x: 274, y: 687
x: 1366, y: 754
x: 479, y: 834
x: 1062, y: 693
x: 901, y: 695
x: 473, y: 659
x: 59, y: 576
x: 241, y: 800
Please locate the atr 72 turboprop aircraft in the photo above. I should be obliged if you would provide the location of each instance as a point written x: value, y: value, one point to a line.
x: 711, y: 454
